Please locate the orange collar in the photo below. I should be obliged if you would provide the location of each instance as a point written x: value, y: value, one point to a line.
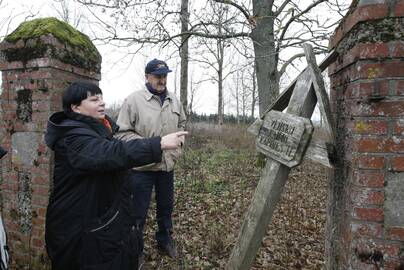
x: 107, y: 124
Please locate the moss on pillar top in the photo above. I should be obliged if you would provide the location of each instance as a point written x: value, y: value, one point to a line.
x: 81, y: 45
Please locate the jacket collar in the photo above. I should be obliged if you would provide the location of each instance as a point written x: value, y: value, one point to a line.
x: 59, y: 124
x: 149, y: 95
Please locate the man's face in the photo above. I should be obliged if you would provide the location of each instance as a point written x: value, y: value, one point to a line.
x: 157, y: 82
x: 93, y: 106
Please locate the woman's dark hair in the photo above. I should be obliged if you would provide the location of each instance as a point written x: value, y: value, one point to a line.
x: 77, y: 92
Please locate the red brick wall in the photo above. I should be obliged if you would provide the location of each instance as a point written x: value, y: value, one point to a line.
x: 367, y: 99
x: 31, y: 92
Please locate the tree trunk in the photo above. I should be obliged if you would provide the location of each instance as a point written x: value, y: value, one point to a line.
x: 220, y: 50
x: 220, y: 104
x: 184, y: 56
x: 237, y: 101
x: 254, y: 91
x: 244, y: 104
x: 266, y: 59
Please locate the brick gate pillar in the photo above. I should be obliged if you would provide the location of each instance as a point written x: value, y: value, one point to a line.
x: 38, y: 60
x: 365, y: 222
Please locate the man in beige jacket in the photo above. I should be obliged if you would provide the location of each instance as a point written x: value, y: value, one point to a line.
x: 154, y: 111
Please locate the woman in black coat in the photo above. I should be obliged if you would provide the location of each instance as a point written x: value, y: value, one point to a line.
x: 88, y: 221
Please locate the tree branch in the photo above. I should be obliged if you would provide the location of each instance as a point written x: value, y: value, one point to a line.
x: 289, y: 61
x: 228, y: 2
x: 293, y: 18
x: 280, y: 9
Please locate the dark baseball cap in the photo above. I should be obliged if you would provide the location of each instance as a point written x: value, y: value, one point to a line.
x: 157, y: 67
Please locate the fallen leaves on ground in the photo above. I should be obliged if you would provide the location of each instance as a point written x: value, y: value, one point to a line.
x: 214, y: 185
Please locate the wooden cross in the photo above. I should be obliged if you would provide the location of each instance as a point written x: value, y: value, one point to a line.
x: 284, y: 138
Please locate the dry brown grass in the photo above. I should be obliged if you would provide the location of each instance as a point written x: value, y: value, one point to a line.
x: 230, y: 135
x: 215, y: 181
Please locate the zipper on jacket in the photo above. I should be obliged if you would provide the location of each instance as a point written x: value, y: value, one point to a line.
x: 107, y: 223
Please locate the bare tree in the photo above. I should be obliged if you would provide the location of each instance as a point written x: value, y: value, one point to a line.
x: 277, y: 25
x: 243, y: 92
x: 275, y: 28
x: 235, y: 93
x: 253, y: 93
x: 67, y: 13
x: 184, y: 52
x: 246, y: 91
x: 113, y: 110
x: 193, y: 96
x: 7, y: 19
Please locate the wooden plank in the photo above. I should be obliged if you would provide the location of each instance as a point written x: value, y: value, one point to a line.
x: 270, y: 186
x: 318, y: 152
x: 283, y: 99
x: 254, y: 128
x: 284, y: 137
x: 328, y: 60
x: 321, y: 93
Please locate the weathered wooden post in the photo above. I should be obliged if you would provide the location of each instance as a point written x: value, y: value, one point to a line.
x: 284, y: 138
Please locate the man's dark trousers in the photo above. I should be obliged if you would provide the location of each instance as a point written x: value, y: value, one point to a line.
x: 163, y: 182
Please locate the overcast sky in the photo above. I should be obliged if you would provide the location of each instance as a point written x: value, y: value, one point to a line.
x: 121, y: 74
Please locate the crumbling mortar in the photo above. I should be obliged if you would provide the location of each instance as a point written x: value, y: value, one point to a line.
x: 24, y: 198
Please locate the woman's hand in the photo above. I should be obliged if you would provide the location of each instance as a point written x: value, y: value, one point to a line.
x: 173, y: 140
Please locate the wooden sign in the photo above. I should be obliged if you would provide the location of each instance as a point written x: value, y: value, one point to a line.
x: 284, y: 137
x: 280, y: 137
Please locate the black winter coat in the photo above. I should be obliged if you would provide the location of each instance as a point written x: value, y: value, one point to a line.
x: 88, y: 220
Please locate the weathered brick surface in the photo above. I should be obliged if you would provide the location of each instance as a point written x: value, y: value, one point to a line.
x: 363, y: 89
x: 374, y: 214
x: 31, y: 92
x: 366, y: 126
x: 395, y: 233
x: 368, y: 179
x: 398, y: 127
x: 367, y: 99
x: 369, y: 162
x: 370, y: 229
x: 398, y: 164
x: 363, y: 196
x: 393, y: 264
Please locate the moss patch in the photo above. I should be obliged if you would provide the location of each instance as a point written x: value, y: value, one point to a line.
x: 375, y: 31
x: 84, y: 54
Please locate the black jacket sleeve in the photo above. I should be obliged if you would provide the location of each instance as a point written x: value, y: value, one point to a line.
x: 93, y: 153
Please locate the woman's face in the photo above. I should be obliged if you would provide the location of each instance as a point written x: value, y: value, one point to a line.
x: 93, y: 106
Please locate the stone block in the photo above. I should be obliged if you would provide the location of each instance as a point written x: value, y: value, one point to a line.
x: 394, y: 203
x: 25, y: 148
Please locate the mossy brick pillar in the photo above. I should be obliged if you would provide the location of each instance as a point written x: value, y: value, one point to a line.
x: 38, y: 60
x: 365, y: 219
